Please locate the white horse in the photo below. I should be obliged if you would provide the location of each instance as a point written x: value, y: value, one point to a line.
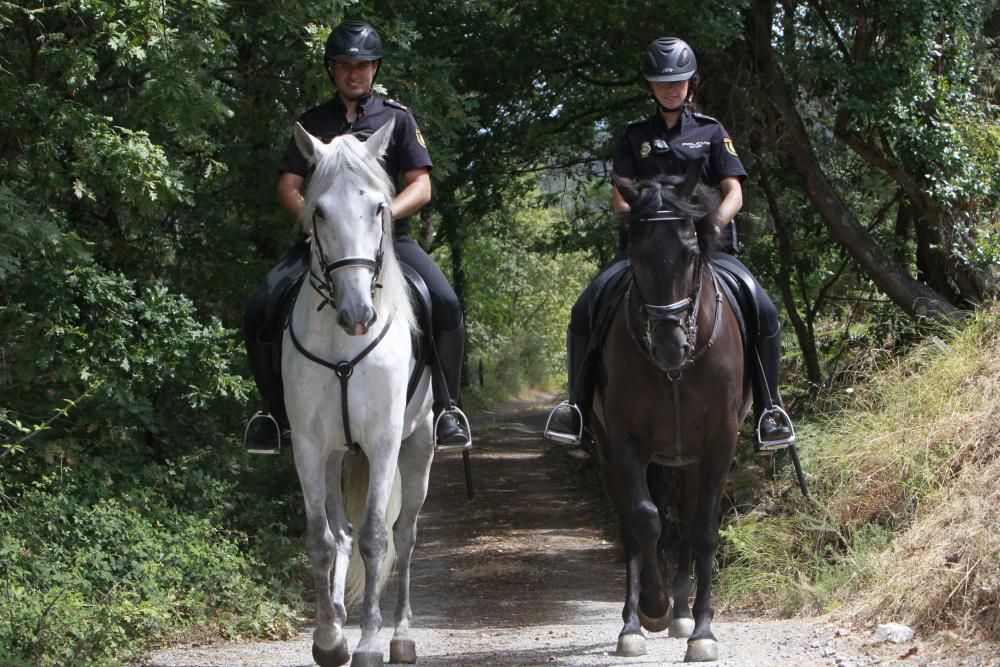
x: 346, y: 361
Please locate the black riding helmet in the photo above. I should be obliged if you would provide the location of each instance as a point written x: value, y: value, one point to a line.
x: 668, y: 59
x: 354, y: 40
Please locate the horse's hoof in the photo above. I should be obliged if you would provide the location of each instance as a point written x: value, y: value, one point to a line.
x: 681, y: 628
x: 702, y: 650
x: 402, y: 651
x: 631, y: 645
x: 335, y: 657
x: 655, y: 624
x: 367, y: 659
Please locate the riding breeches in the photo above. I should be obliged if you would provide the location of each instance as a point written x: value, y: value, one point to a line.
x: 263, y: 324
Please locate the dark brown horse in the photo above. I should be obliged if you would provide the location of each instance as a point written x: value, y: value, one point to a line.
x: 672, y: 393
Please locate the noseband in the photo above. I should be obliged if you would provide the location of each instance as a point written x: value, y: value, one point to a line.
x: 653, y: 315
x: 323, y: 284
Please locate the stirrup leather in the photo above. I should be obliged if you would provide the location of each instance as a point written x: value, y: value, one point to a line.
x: 773, y: 445
x: 277, y: 429
x: 457, y: 412
x: 559, y: 436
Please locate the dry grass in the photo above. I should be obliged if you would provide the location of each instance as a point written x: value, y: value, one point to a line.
x: 907, y: 490
x: 929, y: 471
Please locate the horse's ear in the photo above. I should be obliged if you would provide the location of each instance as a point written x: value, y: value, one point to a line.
x: 628, y: 191
x: 378, y: 143
x: 306, y: 142
x: 692, y: 177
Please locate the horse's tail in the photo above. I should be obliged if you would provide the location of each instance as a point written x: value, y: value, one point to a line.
x: 355, y: 494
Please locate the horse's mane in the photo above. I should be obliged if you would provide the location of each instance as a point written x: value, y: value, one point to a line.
x: 347, y: 158
x: 664, y: 193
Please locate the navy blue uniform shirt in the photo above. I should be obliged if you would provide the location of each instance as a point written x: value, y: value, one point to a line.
x: 650, y: 149
x: 406, y: 149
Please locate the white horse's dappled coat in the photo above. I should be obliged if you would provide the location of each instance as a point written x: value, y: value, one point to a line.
x: 347, y: 211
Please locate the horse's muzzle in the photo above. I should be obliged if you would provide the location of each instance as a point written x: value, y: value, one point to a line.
x: 670, y: 357
x: 357, y: 324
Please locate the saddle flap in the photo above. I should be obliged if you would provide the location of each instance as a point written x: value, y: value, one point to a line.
x: 420, y: 296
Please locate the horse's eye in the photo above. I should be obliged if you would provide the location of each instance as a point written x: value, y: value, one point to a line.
x: 318, y: 214
x: 380, y: 209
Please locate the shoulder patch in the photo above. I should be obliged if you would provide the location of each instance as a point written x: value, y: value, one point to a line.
x: 709, y: 119
x: 395, y: 104
x: 730, y: 148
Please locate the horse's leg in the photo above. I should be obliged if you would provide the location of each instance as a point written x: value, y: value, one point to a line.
x: 702, y: 645
x: 682, y: 623
x: 373, y: 545
x: 340, y: 526
x: 329, y: 647
x: 415, y: 459
x: 645, y: 602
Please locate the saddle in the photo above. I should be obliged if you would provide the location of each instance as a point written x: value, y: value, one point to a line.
x: 737, y: 286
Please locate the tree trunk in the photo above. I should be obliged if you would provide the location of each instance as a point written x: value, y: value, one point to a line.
x: 912, y: 296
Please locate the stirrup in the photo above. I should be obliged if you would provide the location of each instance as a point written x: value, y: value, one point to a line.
x: 462, y: 419
x: 246, y: 432
x: 559, y: 436
x: 775, y: 445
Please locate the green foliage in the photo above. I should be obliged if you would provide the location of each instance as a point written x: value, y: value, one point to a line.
x: 517, y: 324
x: 101, y: 559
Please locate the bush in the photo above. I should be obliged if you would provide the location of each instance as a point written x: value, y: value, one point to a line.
x: 96, y: 562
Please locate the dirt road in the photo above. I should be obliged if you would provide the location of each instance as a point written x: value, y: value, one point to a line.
x: 528, y: 574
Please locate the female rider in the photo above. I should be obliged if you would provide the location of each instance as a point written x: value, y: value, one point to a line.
x: 665, y: 144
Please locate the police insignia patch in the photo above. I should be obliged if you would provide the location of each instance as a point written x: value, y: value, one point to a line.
x: 420, y: 139
x: 730, y: 148
x: 644, y: 149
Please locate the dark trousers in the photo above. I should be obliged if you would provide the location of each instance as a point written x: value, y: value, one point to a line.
x: 263, y: 324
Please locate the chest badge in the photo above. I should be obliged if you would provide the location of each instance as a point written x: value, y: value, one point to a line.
x: 644, y: 150
x: 420, y: 139
x: 730, y: 148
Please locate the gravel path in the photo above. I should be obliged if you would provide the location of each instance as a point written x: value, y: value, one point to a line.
x: 527, y: 574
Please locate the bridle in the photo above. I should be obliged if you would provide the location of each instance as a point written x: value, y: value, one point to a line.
x: 323, y: 284
x: 683, y: 313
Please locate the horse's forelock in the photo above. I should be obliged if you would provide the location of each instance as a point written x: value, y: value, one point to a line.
x: 664, y: 193
x: 345, y: 155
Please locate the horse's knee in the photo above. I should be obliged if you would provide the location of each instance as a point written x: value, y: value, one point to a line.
x: 645, y: 521
x: 321, y: 546
x: 373, y: 540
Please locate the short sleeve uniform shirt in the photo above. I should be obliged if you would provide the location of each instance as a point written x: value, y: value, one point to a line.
x: 406, y: 151
x: 650, y: 149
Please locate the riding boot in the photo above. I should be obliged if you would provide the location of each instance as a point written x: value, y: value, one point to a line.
x: 264, y: 431
x: 773, y: 425
x: 568, y: 420
x: 451, y: 427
